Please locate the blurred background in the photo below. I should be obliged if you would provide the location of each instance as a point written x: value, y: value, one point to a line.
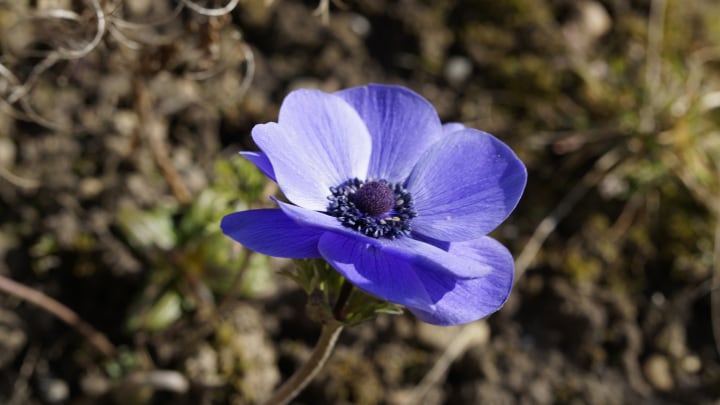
x: 119, y: 126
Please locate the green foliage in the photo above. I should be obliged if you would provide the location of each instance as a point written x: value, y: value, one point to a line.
x: 152, y: 229
x: 189, y: 259
x: 165, y: 310
x: 324, y: 285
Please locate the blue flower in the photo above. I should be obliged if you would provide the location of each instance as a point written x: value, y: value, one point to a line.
x: 396, y: 202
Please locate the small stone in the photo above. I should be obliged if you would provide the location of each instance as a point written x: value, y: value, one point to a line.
x: 53, y: 390
x: 691, y: 364
x: 590, y: 22
x: 360, y: 25
x: 458, y: 69
x: 90, y: 187
x: 658, y: 373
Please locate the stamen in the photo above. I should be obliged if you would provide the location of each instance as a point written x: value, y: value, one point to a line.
x: 374, y: 198
x: 376, y: 208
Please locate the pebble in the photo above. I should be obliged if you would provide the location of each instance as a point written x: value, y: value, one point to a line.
x: 692, y: 364
x: 360, y: 25
x: 53, y: 390
x: 458, y: 69
x: 658, y: 373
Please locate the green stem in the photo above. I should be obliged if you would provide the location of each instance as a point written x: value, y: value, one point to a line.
x: 302, y: 377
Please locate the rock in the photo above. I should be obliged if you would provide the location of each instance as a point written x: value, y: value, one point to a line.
x: 458, y: 69
x: 591, y: 21
x: 692, y: 364
x: 53, y: 390
x: 658, y: 373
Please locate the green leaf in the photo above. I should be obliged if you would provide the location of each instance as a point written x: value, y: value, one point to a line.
x: 165, y: 312
x: 146, y: 229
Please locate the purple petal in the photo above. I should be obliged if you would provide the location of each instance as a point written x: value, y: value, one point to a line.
x: 471, y: 299
x: 433, y: 295
x: 261, y: 161
x: 319, y: 142
x: 450, y: 127
x: 402, y: 125
x: 416, y: 252
x: 465, y: 186
x: 366, y: 266
x: 310, y: 218
x: 272, y: 233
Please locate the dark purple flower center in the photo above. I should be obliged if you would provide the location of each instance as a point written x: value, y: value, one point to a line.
x: 374, y: 198
x: 376, y: 208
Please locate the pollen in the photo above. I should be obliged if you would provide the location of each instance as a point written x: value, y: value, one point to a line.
x: 374, y: 198
x: 376, y: 208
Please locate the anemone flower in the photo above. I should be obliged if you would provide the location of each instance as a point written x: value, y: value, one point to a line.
x: 399, y: 204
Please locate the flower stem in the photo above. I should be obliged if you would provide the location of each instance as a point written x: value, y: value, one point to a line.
x: 342, y: 298
x: 302, y: 377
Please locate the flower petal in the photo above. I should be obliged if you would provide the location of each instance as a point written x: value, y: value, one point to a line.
x: 415, y: 252
x: 271, y: 232
x: 369, y: 268
x: 471, y: 299
x: 402, y: 125
x: 261, y: 161
x: 465, y: 186
x: 450, y: 127
x: 434, y: 296
x: 318, y: 143
x: 310, y: 218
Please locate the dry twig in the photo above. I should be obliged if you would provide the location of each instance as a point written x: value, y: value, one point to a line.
x: 154, y: 131
x: 550, y: 222
x: 56, y: 308
x: 323, y: 11
x: 211, y: 12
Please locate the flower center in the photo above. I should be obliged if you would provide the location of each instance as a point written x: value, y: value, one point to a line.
x: 374, y: 198
x: 376, y: 208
